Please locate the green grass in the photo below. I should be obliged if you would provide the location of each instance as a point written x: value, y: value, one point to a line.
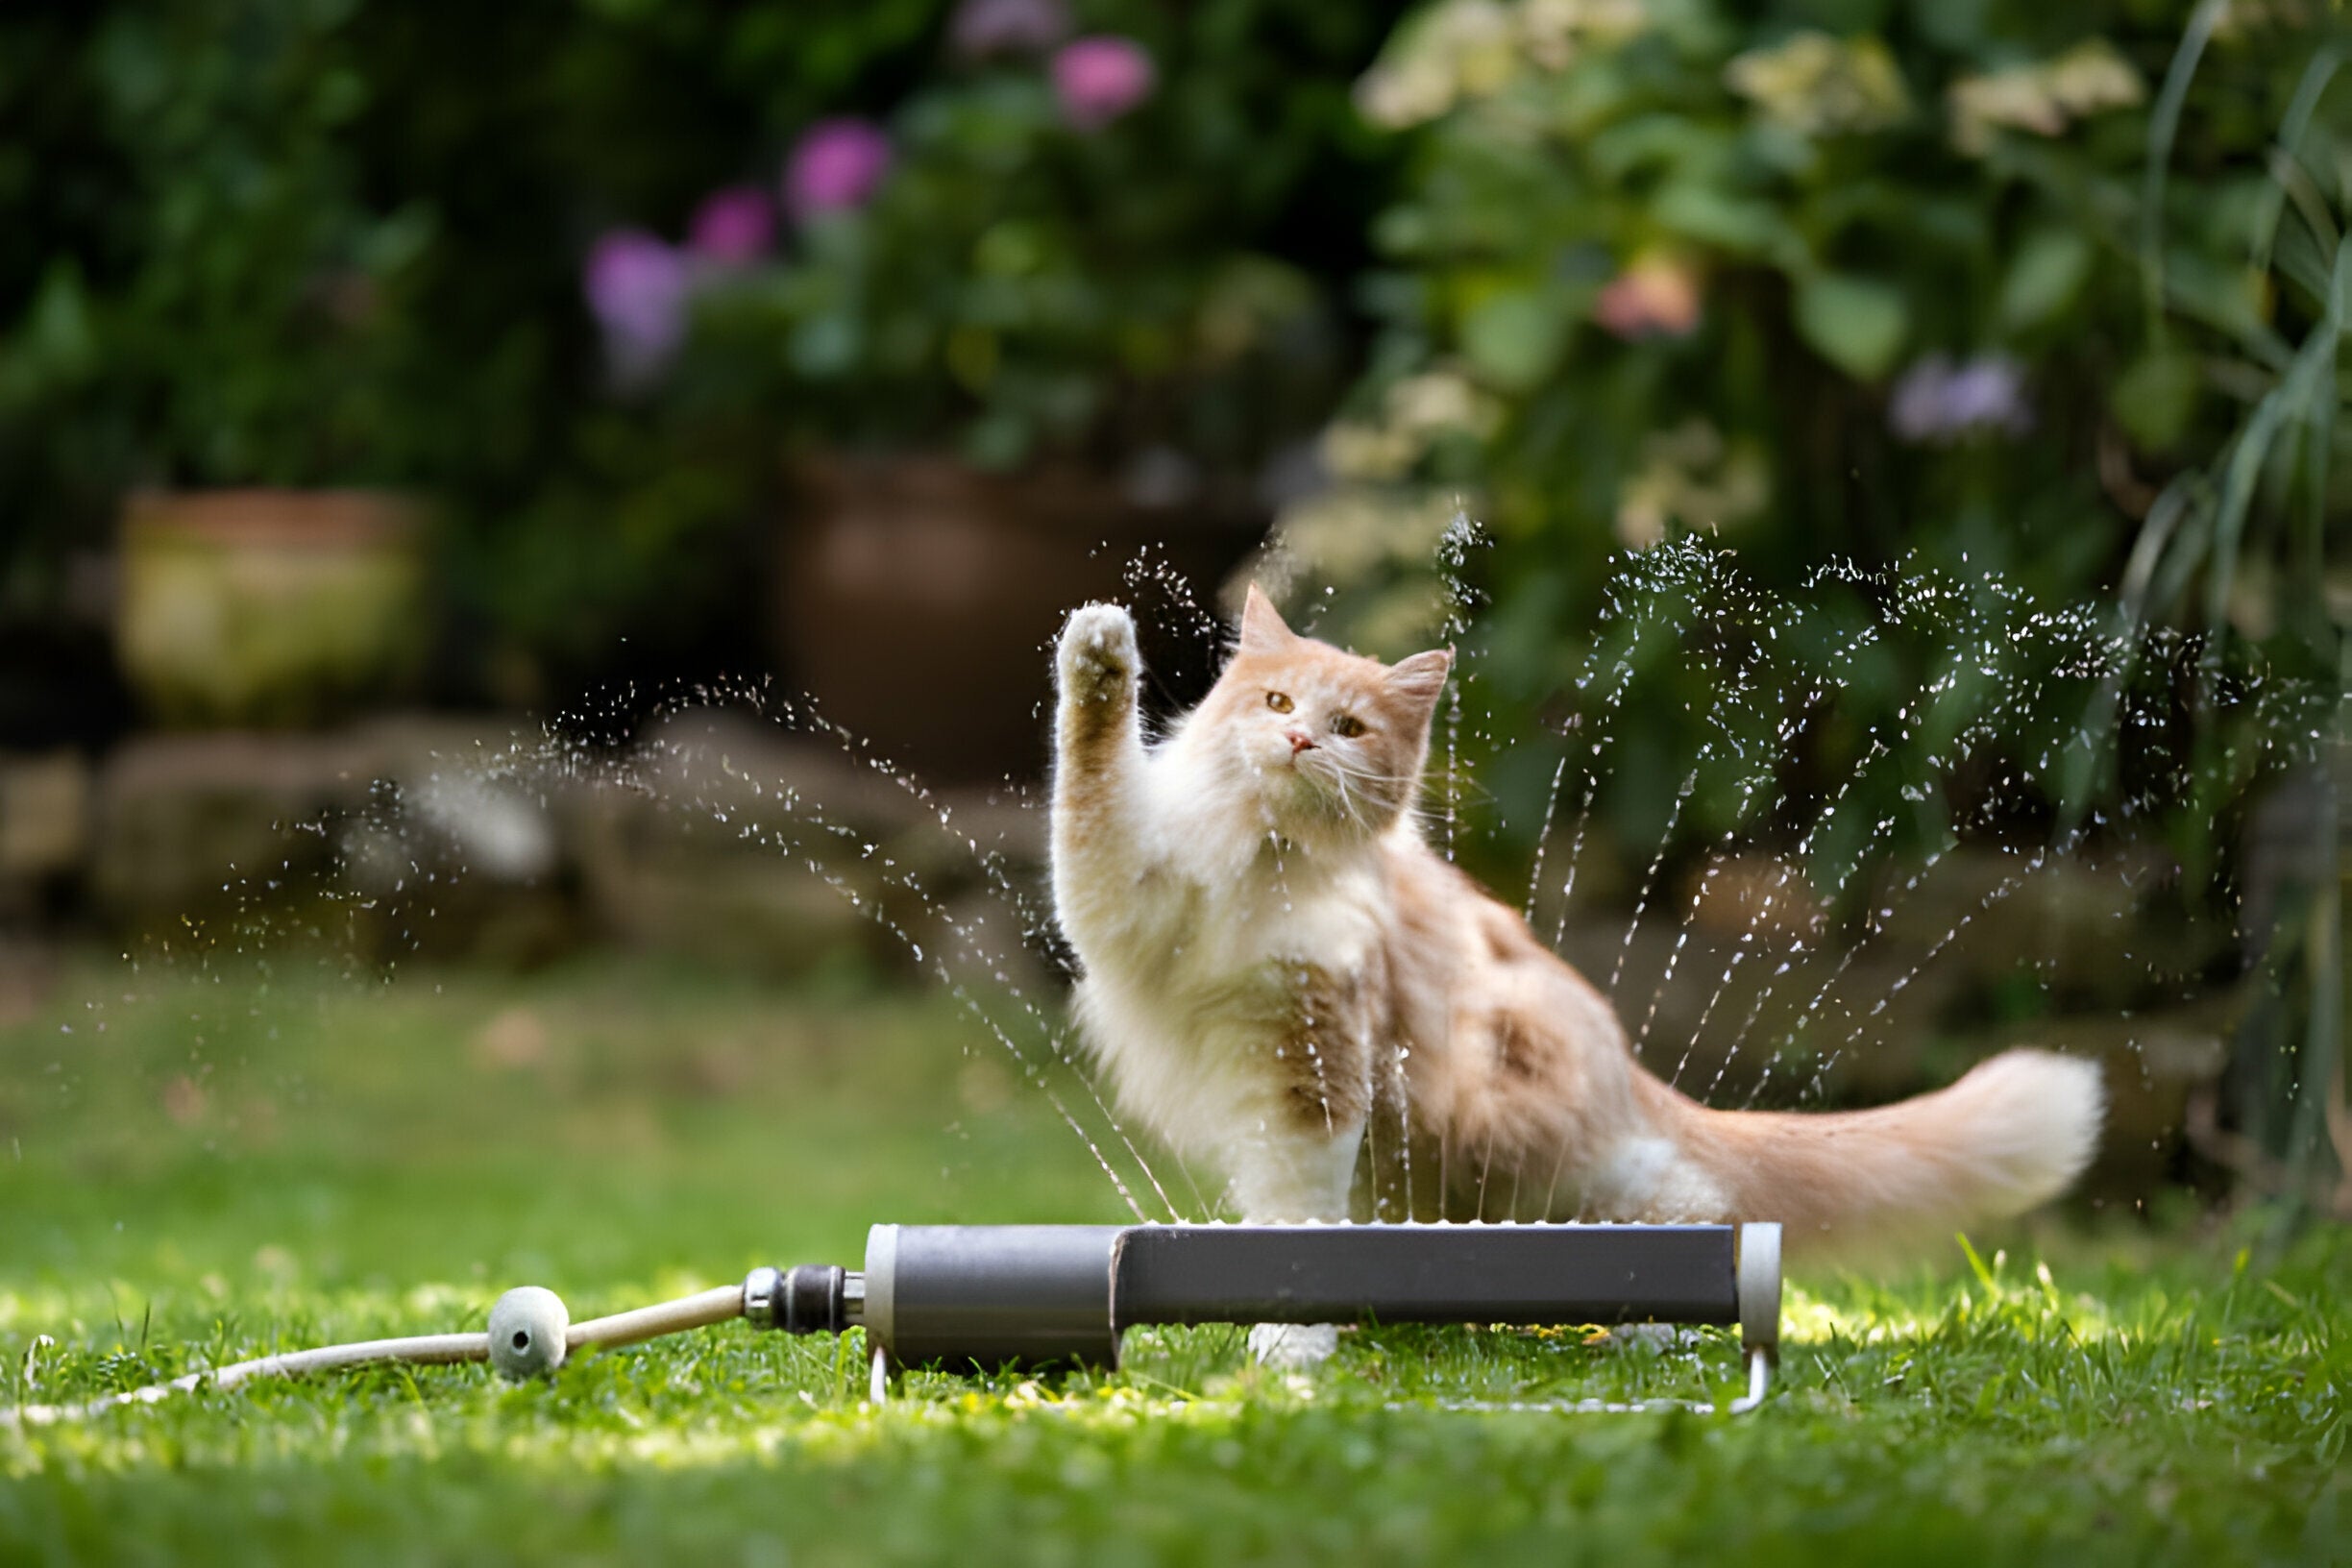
x: 232, y: 1165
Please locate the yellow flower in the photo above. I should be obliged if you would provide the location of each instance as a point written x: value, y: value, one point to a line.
x: 1462, y: 51
x: 1553, y: 31
x: 1463, y: 48
x: 1820, y: 85
x: 1417, y: 410
x: 1352, y: 450
x: 2043, y: 97
x: 1691, y: 476
x: 1439, y: 400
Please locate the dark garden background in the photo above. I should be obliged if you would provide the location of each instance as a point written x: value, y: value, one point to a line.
x: 531, y: 536
x: 1880, y: 460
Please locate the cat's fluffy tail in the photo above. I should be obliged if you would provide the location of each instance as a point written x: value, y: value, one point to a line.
x: 2012, y: 1133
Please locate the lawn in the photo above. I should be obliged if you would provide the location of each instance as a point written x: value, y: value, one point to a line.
x: 202, y: 1164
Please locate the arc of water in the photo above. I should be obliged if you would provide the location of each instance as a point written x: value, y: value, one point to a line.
x: 902, y: 880
x: 1543, y: 841
x: 751, y: 832
x: 1641, y: 903
x: 1740, y: 949
x: 1878, y: 752
x: 1000, y: 879
x: 2008, y: 886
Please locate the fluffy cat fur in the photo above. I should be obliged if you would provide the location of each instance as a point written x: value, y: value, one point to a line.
x: 1287, y: 987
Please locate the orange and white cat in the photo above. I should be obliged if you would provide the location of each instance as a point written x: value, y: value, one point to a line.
x: 1287, y: 985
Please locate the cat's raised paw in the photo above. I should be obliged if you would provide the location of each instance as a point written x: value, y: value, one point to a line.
x: 1290, y: 1347
x: 1098, y: 646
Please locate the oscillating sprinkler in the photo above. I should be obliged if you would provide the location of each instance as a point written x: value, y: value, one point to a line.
x: 979, y: 1298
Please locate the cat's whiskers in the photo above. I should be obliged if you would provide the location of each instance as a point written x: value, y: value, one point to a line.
x: 1340, y: 771
x: 1347, y: 802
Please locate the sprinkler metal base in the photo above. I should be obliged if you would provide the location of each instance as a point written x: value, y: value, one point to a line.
x: 984, y: 1297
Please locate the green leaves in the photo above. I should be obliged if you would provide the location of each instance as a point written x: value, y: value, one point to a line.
x: 2154, y: 398
x: 1708, y: 213
x: 1857, y: 323
x: 54, y: 344
x: 2044, y: 278
x: 1515, y: 338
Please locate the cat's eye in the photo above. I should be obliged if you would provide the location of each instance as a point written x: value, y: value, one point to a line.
x: 1347, y: 725
x: 1278, y: 702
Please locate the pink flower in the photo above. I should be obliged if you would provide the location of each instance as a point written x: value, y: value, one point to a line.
x: 636, y: 288
x: 1099, y: 79
x: 1002, y: 27
x: 732, y: 225
x: 1656, y: 297
x: 835, y: 166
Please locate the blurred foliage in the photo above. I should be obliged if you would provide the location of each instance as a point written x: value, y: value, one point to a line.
x: 205, y: 292
x: 1963, y: 290
x: 1023, y: 283
x: 1965, y: 287
x: 339, y: 241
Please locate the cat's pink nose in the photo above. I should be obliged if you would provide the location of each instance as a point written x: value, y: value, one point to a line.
x: 1300, y: 740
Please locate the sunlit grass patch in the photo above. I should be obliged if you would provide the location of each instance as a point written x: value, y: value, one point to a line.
x: 2150, y: 1415
x: 2132, y: 1396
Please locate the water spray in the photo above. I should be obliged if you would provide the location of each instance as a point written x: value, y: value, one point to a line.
x: 982, y: 1298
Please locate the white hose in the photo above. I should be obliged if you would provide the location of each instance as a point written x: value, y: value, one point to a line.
x: 695, y: 1312
x: 716, y: 1304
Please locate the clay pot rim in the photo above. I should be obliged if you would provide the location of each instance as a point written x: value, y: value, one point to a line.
x: 276, y: 518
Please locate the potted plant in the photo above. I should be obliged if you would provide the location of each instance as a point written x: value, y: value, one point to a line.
x: 1045, y: 311
x: 231, y: 346
x: 257, y: 607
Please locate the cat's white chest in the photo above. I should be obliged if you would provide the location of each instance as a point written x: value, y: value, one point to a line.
x: 1190, y: 1008
x: 1214, y: 900
x: 1331, y: 927
x: 1275, y: 913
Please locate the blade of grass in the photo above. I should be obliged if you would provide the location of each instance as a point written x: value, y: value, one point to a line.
x: 2292, y: 128
x: 2163, y: 126
x: 2293, y: 396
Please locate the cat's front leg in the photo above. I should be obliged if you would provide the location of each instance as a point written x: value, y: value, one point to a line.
x: 1098, y: 768
x: 1294, y: 1162
x: 1293, y: 1347
x: 1301, y: 1179
x: 1096, y: 666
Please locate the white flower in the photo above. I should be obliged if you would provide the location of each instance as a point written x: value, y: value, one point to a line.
x: 1691, y: 476
x: 2043, y: 97
x: 1820, y: 85
x: 1462, y: 51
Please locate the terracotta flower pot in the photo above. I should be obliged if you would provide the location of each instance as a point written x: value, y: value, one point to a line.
x: 268, y: 607
x: 920, y: 597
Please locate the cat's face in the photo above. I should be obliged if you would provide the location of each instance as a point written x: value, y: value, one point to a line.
x: 1327, y: 740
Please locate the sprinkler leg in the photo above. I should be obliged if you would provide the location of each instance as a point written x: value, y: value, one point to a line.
x: 878, y: 1378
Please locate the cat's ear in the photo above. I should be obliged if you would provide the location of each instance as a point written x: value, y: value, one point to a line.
x: 1418, y: 681
x: 1262, y: 625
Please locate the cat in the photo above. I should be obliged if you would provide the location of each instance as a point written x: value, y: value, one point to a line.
x: 1286, y: 985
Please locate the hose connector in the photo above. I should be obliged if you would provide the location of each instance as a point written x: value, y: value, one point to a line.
x: 811, y: 1298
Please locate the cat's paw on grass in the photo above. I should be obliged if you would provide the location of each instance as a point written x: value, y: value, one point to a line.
x: 1293, y: 1347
